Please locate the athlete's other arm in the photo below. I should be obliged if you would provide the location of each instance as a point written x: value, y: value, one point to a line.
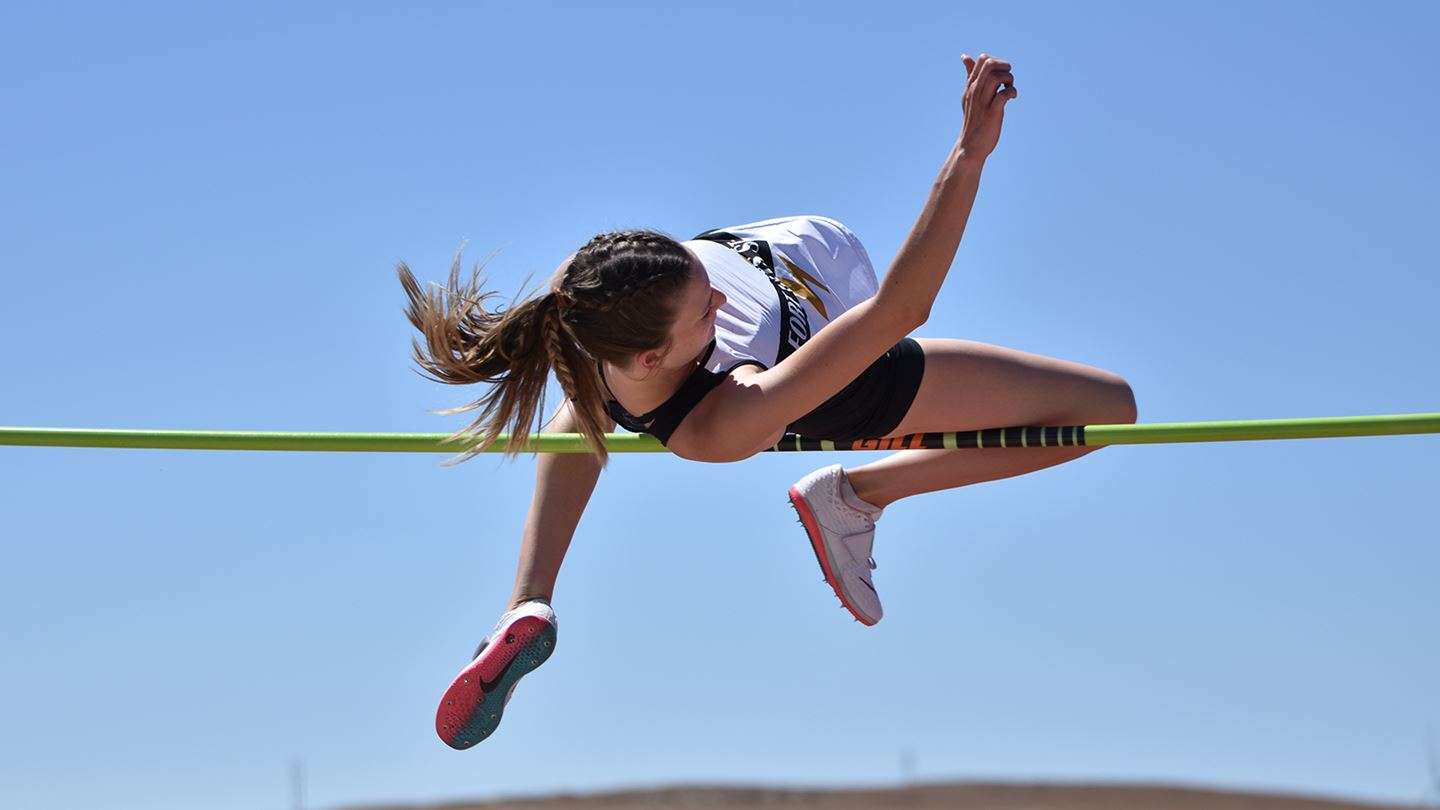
x: 563, y: 485
x: 746, y: 415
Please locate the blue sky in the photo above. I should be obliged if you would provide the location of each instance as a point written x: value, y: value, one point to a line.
x: 202, y: 209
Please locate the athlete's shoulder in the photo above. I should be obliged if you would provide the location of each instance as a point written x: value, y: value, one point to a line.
x: 704, y: 435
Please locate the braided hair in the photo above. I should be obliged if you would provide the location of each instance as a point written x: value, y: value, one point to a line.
x: 617, y: 299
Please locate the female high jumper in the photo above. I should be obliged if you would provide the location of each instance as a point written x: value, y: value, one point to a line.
x: 720, y: 344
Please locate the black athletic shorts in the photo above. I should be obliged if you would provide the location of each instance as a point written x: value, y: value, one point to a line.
x: 874, y: 403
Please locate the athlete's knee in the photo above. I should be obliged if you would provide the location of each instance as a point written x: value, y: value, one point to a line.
x: 1123, y: 402
x: 1111, y: 401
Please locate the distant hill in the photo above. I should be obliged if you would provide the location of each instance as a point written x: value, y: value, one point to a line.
x: 929, y: 796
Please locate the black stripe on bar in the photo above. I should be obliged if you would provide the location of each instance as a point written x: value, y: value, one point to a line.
x: 1018, y: 436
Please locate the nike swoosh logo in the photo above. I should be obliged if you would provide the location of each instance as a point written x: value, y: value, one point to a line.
x: 871, y: 587
x: 487, y: 687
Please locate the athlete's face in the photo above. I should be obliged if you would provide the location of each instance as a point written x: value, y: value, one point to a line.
x: 694, y: 324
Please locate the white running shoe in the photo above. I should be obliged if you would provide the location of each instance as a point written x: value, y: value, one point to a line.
x: 842, y: 531
x: 472, y: 707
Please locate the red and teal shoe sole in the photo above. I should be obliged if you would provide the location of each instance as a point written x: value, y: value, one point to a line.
x: 472, y: 707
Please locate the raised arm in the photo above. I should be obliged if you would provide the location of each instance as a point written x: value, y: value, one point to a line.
x: 752, y: 411
x: 563, y: 485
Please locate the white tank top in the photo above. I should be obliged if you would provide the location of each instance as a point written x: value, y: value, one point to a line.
x: 784, y: 279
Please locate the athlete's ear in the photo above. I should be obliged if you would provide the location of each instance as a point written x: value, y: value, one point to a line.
x: 650, y: 359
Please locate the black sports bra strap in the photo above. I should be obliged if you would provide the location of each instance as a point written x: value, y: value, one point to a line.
x: 666, y: 417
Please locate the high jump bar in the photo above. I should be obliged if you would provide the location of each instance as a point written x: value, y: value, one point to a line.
x: 1006, y: 437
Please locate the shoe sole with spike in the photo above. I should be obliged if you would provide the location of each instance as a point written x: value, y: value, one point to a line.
x: 472, y: 707
x: 827, y: 567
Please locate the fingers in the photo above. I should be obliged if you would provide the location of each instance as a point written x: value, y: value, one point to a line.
x: 1003, y: 84
x: 990, y: 77
x: 990, y: 67
x: 987, y: 72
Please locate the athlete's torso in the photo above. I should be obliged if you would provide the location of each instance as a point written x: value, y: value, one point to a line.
x: 810, y: 270
x: 784, y: 279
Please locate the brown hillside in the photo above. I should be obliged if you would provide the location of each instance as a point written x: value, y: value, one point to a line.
x: 959, y: 796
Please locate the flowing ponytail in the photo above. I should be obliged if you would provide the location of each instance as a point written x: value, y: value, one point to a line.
x: 617, y: 299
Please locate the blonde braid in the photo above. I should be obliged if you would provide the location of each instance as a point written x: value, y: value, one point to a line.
x: 615, y: 291
x: 555, y: 345
x: 582, y: 390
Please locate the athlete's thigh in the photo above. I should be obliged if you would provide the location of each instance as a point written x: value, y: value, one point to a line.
x: 969, y: 385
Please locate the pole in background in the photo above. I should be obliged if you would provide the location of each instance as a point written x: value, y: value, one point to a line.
x: 297, y: 785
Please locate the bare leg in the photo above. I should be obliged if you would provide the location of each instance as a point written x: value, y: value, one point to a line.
x: 970, y: 385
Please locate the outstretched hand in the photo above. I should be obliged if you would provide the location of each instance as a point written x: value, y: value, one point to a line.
x: 990, y: 86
